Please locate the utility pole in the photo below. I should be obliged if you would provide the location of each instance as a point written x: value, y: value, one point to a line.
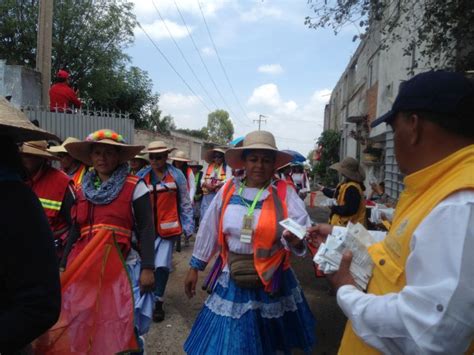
x: 44, y: 47
x: 260, y: 120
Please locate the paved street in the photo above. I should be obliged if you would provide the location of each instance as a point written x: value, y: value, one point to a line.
x: 168, y: 337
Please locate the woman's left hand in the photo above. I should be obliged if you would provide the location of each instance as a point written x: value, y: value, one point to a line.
x: 292, y: 240
x: 147, y: 280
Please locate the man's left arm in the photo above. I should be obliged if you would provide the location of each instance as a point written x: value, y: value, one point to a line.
x: 433, y: 312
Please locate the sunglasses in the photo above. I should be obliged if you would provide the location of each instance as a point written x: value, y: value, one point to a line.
x: 157, y: 157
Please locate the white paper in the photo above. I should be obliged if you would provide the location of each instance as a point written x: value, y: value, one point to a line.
x: 356, y: 239
x: 294, y: 227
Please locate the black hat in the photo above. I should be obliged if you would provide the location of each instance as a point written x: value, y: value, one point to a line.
x: 434, y: 91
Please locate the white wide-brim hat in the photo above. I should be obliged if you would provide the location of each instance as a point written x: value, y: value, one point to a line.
x: 209, y: 156
x: 350, y: 168
x: 179, y: 155
x: 257, y: 140
x: 142, y: 156
x: 15, y: 124
x: 37, y: 148
x: 82, y: 150
x: 157, y: 147
x: 62, y: 148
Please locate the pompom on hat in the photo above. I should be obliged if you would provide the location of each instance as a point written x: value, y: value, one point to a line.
x: 256, y: 140
x: 81, y: 150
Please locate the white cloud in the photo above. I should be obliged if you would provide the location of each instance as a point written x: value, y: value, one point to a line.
x: 270, y: 69
x: 186, y: 110
x: 266, y: 94
x: 259, y: 12
x: 208, y: 51
x: 157, y: 30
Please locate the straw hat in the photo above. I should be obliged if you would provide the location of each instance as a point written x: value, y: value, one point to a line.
x: 61, y: 148
x: 179, y: 155
x: 37, y: 148
x: 158, y: 147
x: 142, y: 156
x: 81, y: 150
x: 350, y: 168
x: 209, y: 157
x: 15, y: 124
x: 256, y: 140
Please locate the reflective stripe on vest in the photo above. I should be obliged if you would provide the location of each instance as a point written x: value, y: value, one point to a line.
x: 50, y: 204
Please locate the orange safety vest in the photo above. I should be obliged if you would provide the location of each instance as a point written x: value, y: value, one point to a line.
x: 164, y: 201
x: 117, y: 216
x: 424, y: 190
x: 50, y: 186
x: 268, y: 251
x: 359, y: 216
x: 211, y: 168
x: 79, y: 175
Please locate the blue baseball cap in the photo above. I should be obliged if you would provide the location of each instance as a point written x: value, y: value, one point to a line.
x: 434, y: 91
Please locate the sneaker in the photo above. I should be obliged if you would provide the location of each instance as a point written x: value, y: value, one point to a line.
x: 158, y: 312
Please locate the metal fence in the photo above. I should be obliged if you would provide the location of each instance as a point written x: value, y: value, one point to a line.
x: 393, y: 177
x: 79, y: 124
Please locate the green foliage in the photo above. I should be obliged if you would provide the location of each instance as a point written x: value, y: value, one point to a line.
x: 88, y: 40
x: 432, y: 27
x: 154, y: 121
x: 330, y: 141
x: 219, y: 127
x: 198, y: 133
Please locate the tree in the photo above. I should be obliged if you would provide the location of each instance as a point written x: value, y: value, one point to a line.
x: 198, y: 133
x: 219, y: 127
x: 329, y: 141
x: 434, y: 27
x: 154, y: 121
x: 89, y: 38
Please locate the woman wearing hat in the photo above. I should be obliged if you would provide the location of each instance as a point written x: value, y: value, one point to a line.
x: 54, y: 189
x: 30, y: 297
x: 349, y: 194
x: 72, y: 167
x: 172, y: 211
x: 137, y: 163
x: 217, y: 173
x: 112, y: 220
x: 180, y: 161
x: 256, y: 305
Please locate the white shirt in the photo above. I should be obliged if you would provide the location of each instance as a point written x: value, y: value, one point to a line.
x: 207, y: 237
x: 434, y: 312
x: 192, y: 185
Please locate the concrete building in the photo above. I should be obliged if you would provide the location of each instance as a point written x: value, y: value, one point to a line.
x: 367, y: 88
x: 21, y: 83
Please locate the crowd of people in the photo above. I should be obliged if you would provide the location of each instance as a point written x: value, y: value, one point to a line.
x: 89, y: 228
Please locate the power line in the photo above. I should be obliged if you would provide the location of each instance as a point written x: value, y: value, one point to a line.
x: 182, y: 54
x: 172, y: 67
x: 220, y: 61
x: 205, y: 66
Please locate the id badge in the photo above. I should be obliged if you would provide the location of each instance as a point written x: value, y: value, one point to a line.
x: 246, y: 232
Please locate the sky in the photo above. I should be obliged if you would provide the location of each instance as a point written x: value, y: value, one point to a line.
x: 259, y: 55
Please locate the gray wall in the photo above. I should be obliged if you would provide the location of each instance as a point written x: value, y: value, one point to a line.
x: 23, y: 84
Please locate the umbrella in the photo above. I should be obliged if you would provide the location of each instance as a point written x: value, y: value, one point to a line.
x: 237, y: 142
x: 297, y: 157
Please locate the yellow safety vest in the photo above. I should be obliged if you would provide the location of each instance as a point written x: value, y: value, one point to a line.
x: 359, y: 216
x: 424, y: 190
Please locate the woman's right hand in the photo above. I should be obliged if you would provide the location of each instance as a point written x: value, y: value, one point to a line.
x: 317, y: 234
x: 190, y: 283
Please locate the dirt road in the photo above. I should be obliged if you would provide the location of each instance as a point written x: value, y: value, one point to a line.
x: 168, y: 336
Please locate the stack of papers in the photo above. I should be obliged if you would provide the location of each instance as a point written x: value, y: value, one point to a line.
x: 378, y: 211
x: 356, y: 239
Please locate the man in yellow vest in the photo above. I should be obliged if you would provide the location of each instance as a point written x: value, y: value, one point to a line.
x: 420, y: 299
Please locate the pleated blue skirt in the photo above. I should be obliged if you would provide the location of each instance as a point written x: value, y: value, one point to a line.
x: 250, y: 321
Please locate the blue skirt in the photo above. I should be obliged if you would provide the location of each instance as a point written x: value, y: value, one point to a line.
x: 249, y: 321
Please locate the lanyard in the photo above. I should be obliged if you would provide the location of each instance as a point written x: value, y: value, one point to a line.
x: 250, y: 208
